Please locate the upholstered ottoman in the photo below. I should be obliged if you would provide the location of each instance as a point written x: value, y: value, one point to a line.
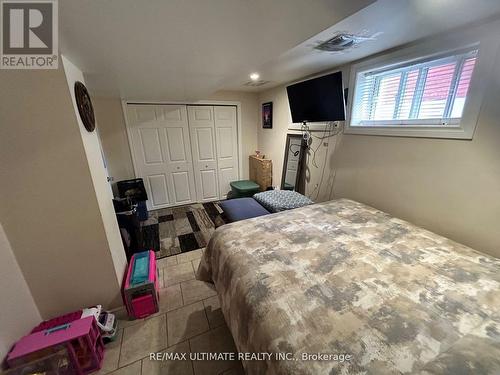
x: 241, y: 209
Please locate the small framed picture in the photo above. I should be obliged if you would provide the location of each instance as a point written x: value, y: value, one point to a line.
x: 267, y: 115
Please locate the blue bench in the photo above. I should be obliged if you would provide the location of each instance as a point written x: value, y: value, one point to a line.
x: 242, y: 208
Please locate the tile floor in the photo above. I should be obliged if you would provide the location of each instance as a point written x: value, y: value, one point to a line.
x: 189, y: 320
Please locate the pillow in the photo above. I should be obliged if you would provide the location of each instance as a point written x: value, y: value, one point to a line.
x: 281, y: 200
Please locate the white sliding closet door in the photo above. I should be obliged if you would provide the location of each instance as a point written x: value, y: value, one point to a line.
x: 202, y: 128
x: 227, y: 147
x: 159, y: 136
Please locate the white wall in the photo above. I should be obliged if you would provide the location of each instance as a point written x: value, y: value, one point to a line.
x: 99, y: 176
x: 19, y: 312
x: 49, y: 209
x: 451, y: 187
x: 111, y: 127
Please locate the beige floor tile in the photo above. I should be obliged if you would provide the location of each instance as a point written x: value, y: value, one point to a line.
x: 170, y: 298
x: 132, y: 369
x: 167, y: 261
x: 186, y: 322
x: 167, y: 367
x: 195, y: 290
x: 161, y: 280
x: 190, y: 255
x: 111, y: 355
x: 118, y: 310
x: 123, y: 319
x: 141, y: 339
x: 176, y: 274
x: 214, y: 313
x: 195, y: 263
x: 218, y: 340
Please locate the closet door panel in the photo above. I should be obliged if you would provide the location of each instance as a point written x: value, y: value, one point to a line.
x: 182, y: 189
x: 159, y: 190
x: 209, y: 184
x: 202, y: 130
x: 160, y: 144
x: 227, y: 147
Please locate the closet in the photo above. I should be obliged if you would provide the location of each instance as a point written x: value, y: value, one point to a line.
x: 184, y: 153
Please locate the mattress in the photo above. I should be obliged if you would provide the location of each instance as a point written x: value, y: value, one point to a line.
x: 341, y: 278
x: 281, y: 200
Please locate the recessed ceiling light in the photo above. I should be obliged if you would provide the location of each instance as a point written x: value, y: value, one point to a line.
x: 254, y: 76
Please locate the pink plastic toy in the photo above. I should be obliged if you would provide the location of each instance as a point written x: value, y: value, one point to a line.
x: 58, y: 321
x: 81, y: 338
x: 140, y: 290
x: 58, y: 363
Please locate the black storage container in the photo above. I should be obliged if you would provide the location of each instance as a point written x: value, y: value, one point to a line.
x: 132, y: 189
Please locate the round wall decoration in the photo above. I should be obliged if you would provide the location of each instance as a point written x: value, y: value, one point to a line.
x: 84, y: 105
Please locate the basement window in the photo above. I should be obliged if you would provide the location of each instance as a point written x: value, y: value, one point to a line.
x: 423, y: 97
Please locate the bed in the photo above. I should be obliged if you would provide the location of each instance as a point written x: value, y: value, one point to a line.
x: 342, y: 278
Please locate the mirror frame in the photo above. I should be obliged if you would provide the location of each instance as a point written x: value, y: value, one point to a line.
x: 289, y: 137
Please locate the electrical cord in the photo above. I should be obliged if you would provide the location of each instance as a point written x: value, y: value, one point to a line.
x: 328, y: 127
x: 313, y: 161
x: 333, y: 173
x: 322, y: 172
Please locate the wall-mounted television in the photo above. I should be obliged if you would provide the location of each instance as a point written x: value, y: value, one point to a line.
x: 318, y: 99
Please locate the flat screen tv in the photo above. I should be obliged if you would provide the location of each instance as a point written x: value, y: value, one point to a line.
x: 318, y: 99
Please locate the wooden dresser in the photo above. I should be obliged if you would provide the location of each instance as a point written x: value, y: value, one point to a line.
x: 261, y: 172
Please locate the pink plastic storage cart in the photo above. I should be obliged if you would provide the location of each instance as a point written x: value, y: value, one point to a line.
x: 58, y: 321
x: 140, y: 291
x: 81, y: 339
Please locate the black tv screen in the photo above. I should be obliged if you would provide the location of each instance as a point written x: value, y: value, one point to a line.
x: 318, y: 99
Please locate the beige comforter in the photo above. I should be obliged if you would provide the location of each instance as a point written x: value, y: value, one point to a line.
x: 341, y: 278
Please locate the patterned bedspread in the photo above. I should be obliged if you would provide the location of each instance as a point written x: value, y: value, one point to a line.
x: 343, y: 278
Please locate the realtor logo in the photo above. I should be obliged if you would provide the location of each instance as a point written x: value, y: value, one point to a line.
x: 29, y: 34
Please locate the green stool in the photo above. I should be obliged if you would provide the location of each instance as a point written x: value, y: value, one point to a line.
x: 243, y: 188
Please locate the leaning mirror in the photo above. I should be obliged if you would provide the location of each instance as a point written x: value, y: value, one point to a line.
x: 292, y: 165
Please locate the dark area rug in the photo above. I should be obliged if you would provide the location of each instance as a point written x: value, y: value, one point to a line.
x: 172, y: 231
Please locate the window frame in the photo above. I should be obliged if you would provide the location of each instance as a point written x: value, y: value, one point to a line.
x: 437, y: 48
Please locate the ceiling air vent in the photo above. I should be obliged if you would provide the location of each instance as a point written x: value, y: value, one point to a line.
x: 256, y: 83
x: 341, y: 42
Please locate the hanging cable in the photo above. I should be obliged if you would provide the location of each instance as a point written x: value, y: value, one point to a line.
x: 328, y: 127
